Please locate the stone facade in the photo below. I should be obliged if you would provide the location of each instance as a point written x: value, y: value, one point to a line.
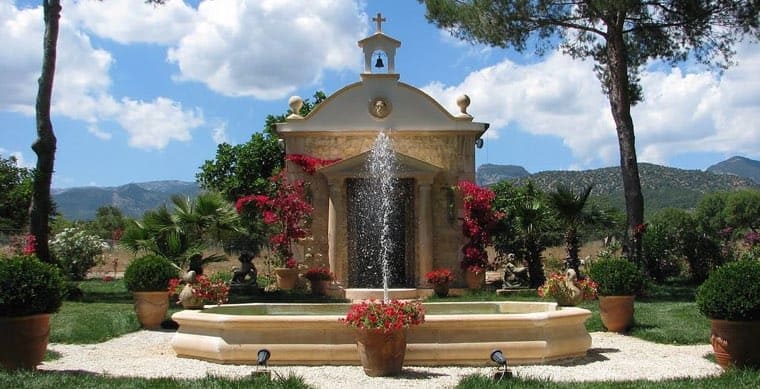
x: 434, y: 149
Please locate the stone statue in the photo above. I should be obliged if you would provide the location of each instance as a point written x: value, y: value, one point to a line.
x: 514, y: 276
x: 246, y: 270
x: 379, y: 107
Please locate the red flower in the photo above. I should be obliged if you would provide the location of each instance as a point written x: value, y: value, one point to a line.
x: 384, y: 316
x: 439, y: 276
x: 309, y: 164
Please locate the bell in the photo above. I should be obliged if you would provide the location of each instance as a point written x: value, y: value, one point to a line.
x: 379, y: 62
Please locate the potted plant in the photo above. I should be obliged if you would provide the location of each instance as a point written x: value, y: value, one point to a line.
x: 381, y: 333
x: 618, y: 280
x: 566, y: 290
x: 147, y: 278
x: 320, y: 278
x: 730, y: 298
x: 199, y: 289
x: 30, y: 291
x: 440, y: 279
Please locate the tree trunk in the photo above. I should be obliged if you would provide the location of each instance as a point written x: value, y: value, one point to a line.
x: 45, y: 145
x: 620, y: 105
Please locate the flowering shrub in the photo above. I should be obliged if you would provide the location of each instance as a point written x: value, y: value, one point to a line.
x: 556, y: 287
x: 77, y: 251
x: 23, y: 244
x: 439, y: 276
x: 386, y: 317
x: 309, y: 164
x: 479, y: 221
x: 319, y: 274
x: 287, y: 213
x: 204, y: 288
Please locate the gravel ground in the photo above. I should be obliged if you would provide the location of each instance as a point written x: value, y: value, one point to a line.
x: 612, y: 357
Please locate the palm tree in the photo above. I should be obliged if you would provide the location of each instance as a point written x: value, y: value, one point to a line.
x: 569, y: 209
x: 183, y: 234
x: 526, y: 226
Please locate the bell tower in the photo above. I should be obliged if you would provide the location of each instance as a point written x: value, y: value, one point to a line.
x: 379, y: 43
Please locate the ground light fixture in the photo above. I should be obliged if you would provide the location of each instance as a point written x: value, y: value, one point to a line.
x: 261, y: 361
x: 502, y: 372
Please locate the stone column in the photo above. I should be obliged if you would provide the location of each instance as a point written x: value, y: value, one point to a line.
x: 425, y: 232
x: 332, y: 228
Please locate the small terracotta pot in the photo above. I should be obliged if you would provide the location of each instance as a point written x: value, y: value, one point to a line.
x: 441, y: 290
x: 286, y: 278
x: 23, y: 341
x: 616, y: 312
x: 736, y: 343
x: 319, y: 287
x: 474, y: 280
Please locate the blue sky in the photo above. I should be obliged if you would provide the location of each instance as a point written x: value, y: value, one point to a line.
x: 146, y: 93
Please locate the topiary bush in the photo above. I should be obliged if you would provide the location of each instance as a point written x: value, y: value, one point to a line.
x: 29, y: 286
x: 149, y: 273
x: 731, y: 292
x: 616, y: 277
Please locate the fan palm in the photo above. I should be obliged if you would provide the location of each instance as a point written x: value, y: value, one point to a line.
x: 569, y: 209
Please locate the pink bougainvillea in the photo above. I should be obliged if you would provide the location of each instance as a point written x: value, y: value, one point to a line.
x: 479, y: 222
x: 308, y: 163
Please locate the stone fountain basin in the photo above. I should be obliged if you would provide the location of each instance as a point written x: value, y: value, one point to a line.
x: 454, y: 334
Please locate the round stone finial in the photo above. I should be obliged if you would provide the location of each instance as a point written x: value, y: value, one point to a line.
x: 295, y: 103
x: 463, y: 102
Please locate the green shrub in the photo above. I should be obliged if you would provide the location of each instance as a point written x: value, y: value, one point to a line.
x: 617, y: 277
x: 149, y: 274
x: 731, y: 292
x: 28, y: 286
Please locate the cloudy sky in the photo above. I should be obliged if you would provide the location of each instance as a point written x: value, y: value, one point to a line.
x: 146, y: 93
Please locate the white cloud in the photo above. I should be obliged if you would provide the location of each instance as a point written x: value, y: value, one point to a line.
x: 219, y: 133
x: 20, y: 161
x: 152, y: 125
x: 267, y: 49
x: 681, y: 112
x: 82, y: 82
x: 100, y: 134
x: 130, y: 21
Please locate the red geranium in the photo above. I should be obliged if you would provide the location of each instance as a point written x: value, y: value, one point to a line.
x: 385, y: 317
x: 439, y: 276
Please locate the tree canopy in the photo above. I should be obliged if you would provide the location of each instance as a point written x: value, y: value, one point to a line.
x: 15, y: 193
x: 620, y: 36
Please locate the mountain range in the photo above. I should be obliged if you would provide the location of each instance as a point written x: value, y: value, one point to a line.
x: 662, y: 187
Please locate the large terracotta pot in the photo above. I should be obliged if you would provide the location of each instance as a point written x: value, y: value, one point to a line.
x: 616, y: 312
x: 151, y: 308
x: 23, y: 341
x: 736, y: 343
x: 474, y: 280
x: 319, y: 287
x: 286, y: 278
x: 382, y: 354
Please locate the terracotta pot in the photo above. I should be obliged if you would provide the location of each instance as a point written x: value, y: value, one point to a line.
x: 187, y: 299
x: 474, y: 280
x: 286, y: 278
x: 441, y: 290
x: 382, y: 354
x: 319, y: 287
x: 616, y: 312
x: 151, y: 308
x: 736, y: 343
x: 23, y: 341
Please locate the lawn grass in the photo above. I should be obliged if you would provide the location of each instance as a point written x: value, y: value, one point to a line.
x: 43, y: 379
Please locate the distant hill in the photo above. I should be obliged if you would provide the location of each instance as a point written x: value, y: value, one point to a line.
x: 132, y: 199
x: 738, y: 166
x: 662, y: 186
x: 490, y: 174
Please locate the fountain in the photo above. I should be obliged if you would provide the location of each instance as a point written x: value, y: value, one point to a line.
x: 453, y: 333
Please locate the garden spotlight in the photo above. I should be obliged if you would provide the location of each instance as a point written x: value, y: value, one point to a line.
x: 498, y: 357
